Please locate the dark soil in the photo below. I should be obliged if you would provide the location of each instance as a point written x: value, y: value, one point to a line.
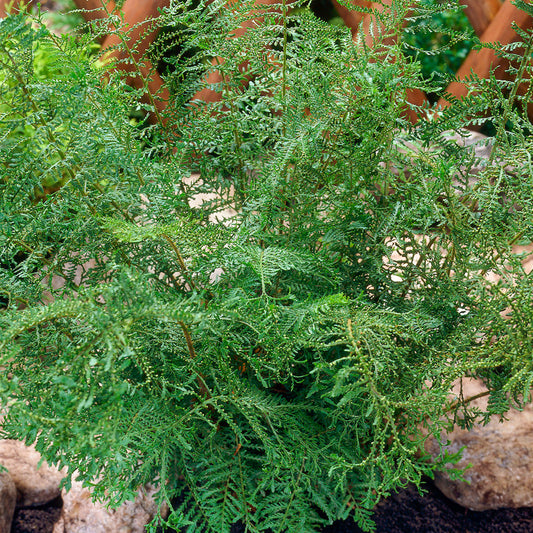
x: 408, y: 512
x: 405, y: 512
x: 37, y: 519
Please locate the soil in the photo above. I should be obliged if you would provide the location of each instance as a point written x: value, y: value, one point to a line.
x: 404, y: 512
x: 37, y: 519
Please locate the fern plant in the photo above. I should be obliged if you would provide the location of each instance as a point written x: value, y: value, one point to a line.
x: 260, y: 304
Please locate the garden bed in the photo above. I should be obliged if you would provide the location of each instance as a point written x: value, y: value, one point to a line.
x: 405, y: 512
x: 302, y: 381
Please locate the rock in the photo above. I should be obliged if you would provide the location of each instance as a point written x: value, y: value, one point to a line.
x: 481, y: 144
x: 35, y: 485
x: 500, y: 455
x: 81, y: 515
x: 8, y: 499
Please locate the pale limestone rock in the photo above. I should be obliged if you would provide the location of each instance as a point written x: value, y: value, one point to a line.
x: 35, y: 485
x: 500, y: 455
x: 8, y: 499
x: 481, y: 144
x: 81, y: 515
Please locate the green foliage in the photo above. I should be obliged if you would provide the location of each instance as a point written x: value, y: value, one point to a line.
x: 273, y: 341
x: 445, y: 37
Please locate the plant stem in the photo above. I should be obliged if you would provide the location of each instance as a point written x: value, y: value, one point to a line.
x: 292, y: 496
x: 181, y: 261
